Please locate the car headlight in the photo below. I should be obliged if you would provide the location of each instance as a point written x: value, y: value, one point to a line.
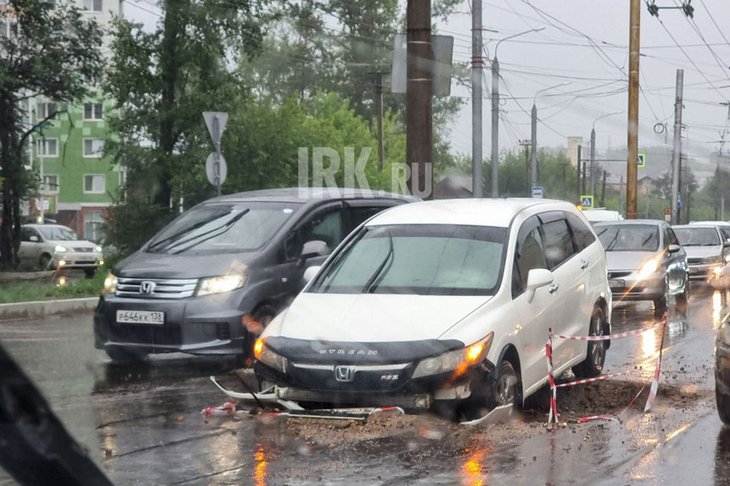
x: 110, y: 284
x: 264, y: 354
x: 60, y: 249
x: 459, y: 359
x: 217, y: 285
x: 98, y: 249
x: 648, y: 269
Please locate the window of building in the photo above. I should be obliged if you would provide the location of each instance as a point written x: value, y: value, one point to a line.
x: 93, y: 147
x: 8, y: 30
x: 46, y: 109
x: 92, y: 5
x: 50, y: 183
x: 94, y: 183
x: 47, y: 147
x: 94, y: 225
x: 93, y: 111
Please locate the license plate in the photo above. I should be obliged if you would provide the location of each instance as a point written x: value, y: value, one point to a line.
x: 616, y: 282
x: 140, y: 317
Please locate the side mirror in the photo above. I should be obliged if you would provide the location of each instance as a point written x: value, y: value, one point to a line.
x: 726, y: 244
x: 538, y: 277
x: 311, y: 272
x: 314, y: 248
x: 34, y: 239
x: 674, y: 248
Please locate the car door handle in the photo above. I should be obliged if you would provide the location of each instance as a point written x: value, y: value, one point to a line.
x: 553, y: 288
x: 583, y: 264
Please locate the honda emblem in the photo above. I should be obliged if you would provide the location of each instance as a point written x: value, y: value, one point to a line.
x: 147, y: 287
x: 344, y: 373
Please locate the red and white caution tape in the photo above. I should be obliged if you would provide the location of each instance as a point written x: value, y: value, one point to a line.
x: 227, y: 409
x: 619, y: 335
x: 596, y: 417
x: 590, y: 380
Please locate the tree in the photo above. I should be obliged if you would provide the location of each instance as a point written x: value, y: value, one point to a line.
x: 51, y: 49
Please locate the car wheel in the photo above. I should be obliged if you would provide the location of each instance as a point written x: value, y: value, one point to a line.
x: 119, y: 355
x: 681, y: 301
x: 45, y: 262
x: 723, y: 406
x: 490, y: 392
x: 592, y: 366
x: 265, y: 314
x: 660, y: 304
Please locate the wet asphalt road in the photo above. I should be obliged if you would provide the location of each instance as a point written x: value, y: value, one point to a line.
x: 143, y: 425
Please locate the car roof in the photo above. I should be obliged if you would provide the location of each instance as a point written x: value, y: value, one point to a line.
x: 695, y: 226
x: 473, y: 212
x: 45, y: 225
x: 306, y: 194
x: 708, y: 223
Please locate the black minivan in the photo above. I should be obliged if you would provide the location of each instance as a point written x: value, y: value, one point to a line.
x: 210, y: 280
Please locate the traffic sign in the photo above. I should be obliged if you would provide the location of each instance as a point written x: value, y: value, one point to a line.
x: 642, y: 161
x: 214, y: 178
x: 538, y: 192
x: 667, y: 214
x: 216, y: 122
x: 586, y: 201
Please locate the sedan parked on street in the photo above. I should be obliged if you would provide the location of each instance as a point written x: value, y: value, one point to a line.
x: 214, y: 277
x: 445, y: 303
x: 50, y: 246
x: 706, y: 246
x: 645, y: 262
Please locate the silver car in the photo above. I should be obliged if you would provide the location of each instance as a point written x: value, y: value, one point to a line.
x: 706, y: 246
x: 50, y: 246
x: 645, y: 262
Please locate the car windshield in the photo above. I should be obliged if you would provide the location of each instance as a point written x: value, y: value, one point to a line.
x: 57, y: 233
x: 418, y: 259
x: 628, y: 237
x: 697, y: 236
x: 222, y: 228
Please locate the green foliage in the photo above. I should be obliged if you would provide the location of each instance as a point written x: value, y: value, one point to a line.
x: 53, y: 48
x: 46, y: 290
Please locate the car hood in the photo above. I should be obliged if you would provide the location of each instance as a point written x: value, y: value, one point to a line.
x: 628, y: 260
x: 703, y: 251
x: 158, y: 265
x: 72, y: 244
x: 370, y: 318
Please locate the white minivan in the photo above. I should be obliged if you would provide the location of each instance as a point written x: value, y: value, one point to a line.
x: 449, y: 300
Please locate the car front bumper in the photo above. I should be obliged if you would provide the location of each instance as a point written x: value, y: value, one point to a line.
x: 77, y: 260
x: 632, y: 288
x: 701, y: 271
x: 190, y: 326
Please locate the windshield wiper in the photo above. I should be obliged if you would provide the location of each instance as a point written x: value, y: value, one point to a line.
x: 198, y: 239
x: 374, y: 281
x: 612, y: 243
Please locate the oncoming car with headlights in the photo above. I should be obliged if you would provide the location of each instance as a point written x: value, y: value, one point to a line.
x: 214, y: 277
x: 707, y: 246
x: 444, y: 303
x: 645, y: 262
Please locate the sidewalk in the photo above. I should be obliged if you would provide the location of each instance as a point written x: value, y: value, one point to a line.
x: 41, y: 308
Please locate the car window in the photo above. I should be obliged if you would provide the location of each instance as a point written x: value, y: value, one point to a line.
x: 325, y: 225
x: 358, y: 214
x: 558, y: 243
x: 582, y: 234
x: 672, y: 237
x: 418, y: 259
x: 529, y: 254
x: 628, y: 237
x: 26, y: 233
x: 725, y: 232
x: 697, y: 236
x: 57, y: 233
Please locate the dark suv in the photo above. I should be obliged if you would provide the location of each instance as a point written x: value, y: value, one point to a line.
x: 222, y: 270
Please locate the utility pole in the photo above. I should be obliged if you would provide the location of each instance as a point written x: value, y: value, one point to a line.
x: 379, y: 95
x: 677, y: 148
x: 477, y: 63
x: 633, y: 125
x: 577, y: 166
x: 495, y: 126
x: 419, y: 113
x: 603, y: 190
x: 526, y: 144
x: 593, y: 161
x: 533, y: 151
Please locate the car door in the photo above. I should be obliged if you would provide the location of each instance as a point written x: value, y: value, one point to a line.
x: 572, y: 311
x: 534, y: 316
x: 31, y: 244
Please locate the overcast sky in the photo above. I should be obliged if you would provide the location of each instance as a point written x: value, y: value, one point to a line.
x: 585, y: 46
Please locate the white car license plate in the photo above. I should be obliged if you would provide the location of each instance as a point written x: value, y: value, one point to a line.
x: 616, y: 283
x: 140, y: 317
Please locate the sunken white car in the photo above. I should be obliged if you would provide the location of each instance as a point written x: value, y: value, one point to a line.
x: 444, y: 302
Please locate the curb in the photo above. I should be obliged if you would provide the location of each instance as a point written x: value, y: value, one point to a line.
x: 41, y: 308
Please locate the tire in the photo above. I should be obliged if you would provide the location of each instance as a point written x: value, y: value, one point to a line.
x: 119, y: 355
x: 491, y: 392
x: 592, y: 366
x: 265, y: 314
x: 723, y: 406
x: 660, y: 304
x: 681, y: 301
x: 45, y: 262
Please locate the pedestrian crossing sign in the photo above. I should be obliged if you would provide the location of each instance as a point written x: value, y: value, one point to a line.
x: 642, y: 161
x: 586, y: 201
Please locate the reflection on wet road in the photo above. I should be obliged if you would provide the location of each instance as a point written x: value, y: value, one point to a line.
x: 143, y: 424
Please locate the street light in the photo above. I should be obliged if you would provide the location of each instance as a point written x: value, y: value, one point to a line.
x: 593, y: 149
x: 495, y: 111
